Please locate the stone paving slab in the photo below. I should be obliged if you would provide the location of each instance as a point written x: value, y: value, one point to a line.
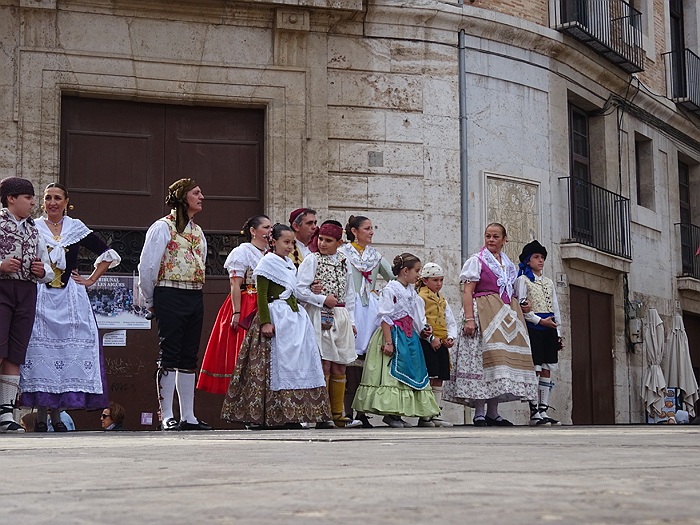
x: 463, y: 475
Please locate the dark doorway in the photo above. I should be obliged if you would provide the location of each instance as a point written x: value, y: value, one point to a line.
x: 592, y: 358
x: 692, y: 329
x: 117, y: 158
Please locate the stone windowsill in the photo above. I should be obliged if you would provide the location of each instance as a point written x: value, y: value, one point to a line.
x: 606, y: 262
x: 688, y: 285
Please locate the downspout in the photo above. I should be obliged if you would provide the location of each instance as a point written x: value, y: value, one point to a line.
x: 463, y: 157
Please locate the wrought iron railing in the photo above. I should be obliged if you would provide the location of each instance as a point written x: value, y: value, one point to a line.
x: 598, y: 218
x: 612, y: 28
x: 690, y: 241
x: 683, y: 78
x: 129, y: 243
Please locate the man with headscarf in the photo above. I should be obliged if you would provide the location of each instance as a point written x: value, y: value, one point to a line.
x: 304, y: 223
x: 171, y: 278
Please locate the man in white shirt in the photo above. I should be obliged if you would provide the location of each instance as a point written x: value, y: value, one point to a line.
x: 171, y: 278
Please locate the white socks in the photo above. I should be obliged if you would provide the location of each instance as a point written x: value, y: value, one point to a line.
x: 185, y: 394
x: 9, y: 388
x: 492, y: 409
x: 437, y: 392
x: 545, y: 386
x: 479, y: 408
x: 166, y: 386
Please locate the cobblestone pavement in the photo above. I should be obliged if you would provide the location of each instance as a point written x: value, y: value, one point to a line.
x: 464, y: 475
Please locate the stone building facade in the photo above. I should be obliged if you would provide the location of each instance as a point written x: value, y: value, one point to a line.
x: 433, y: 118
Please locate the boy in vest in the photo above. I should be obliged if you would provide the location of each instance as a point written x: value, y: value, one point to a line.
x: 171, y: 278
x: 542, y: 325
x: 24, y: 261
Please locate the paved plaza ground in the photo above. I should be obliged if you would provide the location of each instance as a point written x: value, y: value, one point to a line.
x: 463, y: 475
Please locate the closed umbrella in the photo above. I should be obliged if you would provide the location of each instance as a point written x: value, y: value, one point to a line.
x: 654, y: 383
x: 678, y: 367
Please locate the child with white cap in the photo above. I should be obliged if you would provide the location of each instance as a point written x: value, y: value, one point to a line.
x: 436, y: 347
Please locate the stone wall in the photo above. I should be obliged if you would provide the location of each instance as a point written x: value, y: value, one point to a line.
x: 362, y: 104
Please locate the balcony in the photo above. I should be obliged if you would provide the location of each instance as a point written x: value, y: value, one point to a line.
x: 598, y: 218
x: 683, y: 79
x: 690, y: 240
x: 610, y: 27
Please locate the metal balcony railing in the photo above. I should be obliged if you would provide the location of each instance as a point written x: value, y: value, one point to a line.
x: 683, y: 78
x: 598, y: 218
x: 612, y: 28
x: 690, y: 240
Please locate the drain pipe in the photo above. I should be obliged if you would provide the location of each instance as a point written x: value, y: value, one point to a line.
x: 463, y: 157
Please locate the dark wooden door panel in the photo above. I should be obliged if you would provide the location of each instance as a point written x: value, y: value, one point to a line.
x: 117, y: 157
x: 222, y: 151
x: 112, y: 160
x: 603, y: 391
x: 692, y: 330
x: 591, y: 357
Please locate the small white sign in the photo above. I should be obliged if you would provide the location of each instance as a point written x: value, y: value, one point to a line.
x: 116, y: 338
x: 147, y: 418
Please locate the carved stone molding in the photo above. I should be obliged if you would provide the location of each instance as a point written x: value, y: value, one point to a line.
x: 38, y: 4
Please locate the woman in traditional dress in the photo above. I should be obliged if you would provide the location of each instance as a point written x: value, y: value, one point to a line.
x: 366, y: 264
x: 64, y: 368
x: 395, y: 380
x: 491, y: 360
x: 278, y: 379
x: 228, y: 333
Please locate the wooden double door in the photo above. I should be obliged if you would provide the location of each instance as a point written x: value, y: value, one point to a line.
x: 117, y: 159
x: 592, y: 363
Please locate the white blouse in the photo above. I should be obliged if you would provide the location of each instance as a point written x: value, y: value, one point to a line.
x: 397, y: 301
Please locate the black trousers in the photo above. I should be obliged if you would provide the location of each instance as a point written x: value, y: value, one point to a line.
x: 180, y: 314
x: 17, y: 311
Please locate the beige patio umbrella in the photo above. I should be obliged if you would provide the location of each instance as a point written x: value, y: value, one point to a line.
x: 677, y: 365
x: 654, y: 386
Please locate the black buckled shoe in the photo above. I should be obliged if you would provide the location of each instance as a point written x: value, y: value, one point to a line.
x: 170, y: 424
x: 41, y: 427
x: 497, y: 422
x: 479, y: 421
x: 199, y: 425
x: 59, y: 426
x: 361, y: 416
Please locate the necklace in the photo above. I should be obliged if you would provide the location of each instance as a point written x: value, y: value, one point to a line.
x: 55, y: 223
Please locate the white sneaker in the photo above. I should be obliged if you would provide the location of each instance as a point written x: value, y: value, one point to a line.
x: 439, y: 422
x: 393, y: 421
x: 536, y: 420
x: 549, y: 420
x: 10, y: 427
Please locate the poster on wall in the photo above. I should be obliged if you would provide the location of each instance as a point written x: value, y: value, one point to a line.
x: 116, y: 301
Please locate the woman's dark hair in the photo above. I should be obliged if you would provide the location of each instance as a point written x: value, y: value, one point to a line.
x: 497, y: 225
x: 252, y: 222
x: 355, y: 221
x: 61, y: 187
x: 116, y: 412
x: 276, y: 233
x: 405, y: 260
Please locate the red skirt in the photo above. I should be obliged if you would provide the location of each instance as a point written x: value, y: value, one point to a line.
x: 223, y: 346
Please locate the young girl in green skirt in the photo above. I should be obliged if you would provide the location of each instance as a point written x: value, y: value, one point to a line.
x: 395, y: 379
